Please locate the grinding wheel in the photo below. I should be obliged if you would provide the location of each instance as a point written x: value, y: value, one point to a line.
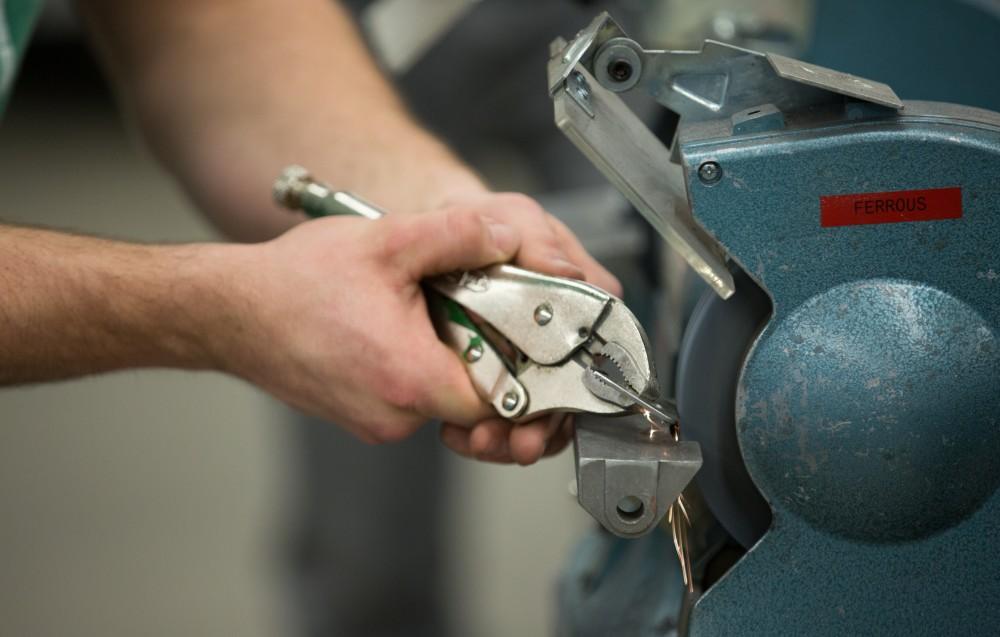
x: 715, y: 342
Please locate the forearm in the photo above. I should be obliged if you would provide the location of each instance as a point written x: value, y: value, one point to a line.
x: 229, y: 91
x: 75, y: 305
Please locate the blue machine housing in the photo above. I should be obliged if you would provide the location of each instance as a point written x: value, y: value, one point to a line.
x: 868, y: 408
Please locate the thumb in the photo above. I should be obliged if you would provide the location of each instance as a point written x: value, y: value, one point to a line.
x: 448, y: 240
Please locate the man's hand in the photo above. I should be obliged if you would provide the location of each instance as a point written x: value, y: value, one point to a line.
x: 336, y: 322
x: 547, y: 246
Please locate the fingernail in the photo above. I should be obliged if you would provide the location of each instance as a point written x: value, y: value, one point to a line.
x: 504, y: 237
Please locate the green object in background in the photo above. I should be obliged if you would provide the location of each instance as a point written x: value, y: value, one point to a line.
x: 16, y: 24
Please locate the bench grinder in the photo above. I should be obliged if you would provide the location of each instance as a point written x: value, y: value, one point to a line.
x: 842, y: 375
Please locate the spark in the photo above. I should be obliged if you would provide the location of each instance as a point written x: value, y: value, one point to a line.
x: 680, y: 522
x: 654, y: 426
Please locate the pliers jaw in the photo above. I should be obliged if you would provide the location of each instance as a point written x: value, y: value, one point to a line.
x: 620, y: 339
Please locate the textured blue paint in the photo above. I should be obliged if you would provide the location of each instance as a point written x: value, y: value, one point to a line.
x: 613, y: 582
x: 874, y: 411
x: 868, y: 409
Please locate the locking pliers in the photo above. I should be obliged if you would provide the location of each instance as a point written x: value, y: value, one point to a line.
x: 564, y: 334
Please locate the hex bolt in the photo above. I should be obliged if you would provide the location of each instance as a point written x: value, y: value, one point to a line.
x: 543, y: 314
x: 709, y: 172
x: 474, y: 353
x: 580, y: 86
x: 510, y: 401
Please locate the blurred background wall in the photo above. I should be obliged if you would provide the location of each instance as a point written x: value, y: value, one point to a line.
x: 159, y: 502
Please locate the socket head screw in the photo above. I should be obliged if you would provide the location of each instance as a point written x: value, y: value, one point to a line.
x: 710, y: 172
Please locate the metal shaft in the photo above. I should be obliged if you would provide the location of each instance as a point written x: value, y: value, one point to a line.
x: 296, y: 189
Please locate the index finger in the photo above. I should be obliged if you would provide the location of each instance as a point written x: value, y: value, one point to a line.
x: 595, y: 273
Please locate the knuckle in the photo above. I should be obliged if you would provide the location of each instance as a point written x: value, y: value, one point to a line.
x: 401, y: 395
x: 397, y: 237
x: 393, y: 429
x: 521, y: 201
x: 466, y: 225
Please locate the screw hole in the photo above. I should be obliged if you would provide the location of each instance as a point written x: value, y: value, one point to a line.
x: 630, y: 508
x: 620, y: 70
x: 583, y: 332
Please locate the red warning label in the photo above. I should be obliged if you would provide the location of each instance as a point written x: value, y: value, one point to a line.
x: 890, y: 207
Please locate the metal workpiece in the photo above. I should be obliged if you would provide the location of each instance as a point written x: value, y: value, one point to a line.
x: 609, y: 390
x: 628, y: 474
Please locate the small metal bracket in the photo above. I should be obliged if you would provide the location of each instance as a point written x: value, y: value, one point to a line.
x: 834, y: 81
x: 627, y: 474
x: 579, y: 90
